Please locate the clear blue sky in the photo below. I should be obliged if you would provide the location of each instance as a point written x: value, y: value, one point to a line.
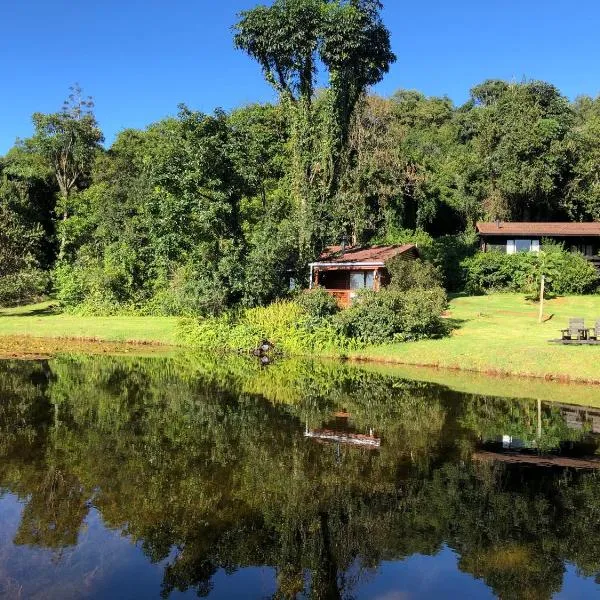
x: 139, y: 59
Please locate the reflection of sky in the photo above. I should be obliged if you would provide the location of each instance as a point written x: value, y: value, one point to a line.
x: 105, y: 564
x: 576, y: 587
x: 424, y: 577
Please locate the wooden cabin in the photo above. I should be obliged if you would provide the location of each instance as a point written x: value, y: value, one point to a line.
x: 527, y: 237
x: 342, y: 271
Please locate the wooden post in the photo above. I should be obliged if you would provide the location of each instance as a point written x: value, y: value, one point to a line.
x: 542, y: 289
x: 539, y: 420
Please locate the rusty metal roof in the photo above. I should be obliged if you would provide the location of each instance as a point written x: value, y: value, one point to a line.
x: 358, y: 254
x: 541, y: 229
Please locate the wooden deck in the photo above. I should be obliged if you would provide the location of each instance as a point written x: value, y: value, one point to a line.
x: 575, y: 342
x: 342, y: 297
x: 537, y: 460
x: 341, y: 437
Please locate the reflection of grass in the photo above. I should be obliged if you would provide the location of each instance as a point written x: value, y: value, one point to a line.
x: 500, y: 334
x: 42, y: 320
x: 486, y: 385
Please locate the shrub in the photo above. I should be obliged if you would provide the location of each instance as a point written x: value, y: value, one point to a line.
x: 448, y: 252
x: 390, y: 315
x: 188, y: 293
x: 23, y: 287
x: 317, y: 303
x: 284, y: 323
x: 566, y: 272
x: 413, y: 274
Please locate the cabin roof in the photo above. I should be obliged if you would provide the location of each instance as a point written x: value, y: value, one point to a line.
x: 549, y: 229
x: 361, y: 254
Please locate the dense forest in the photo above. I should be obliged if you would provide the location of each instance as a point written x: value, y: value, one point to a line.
x: 201, y: 212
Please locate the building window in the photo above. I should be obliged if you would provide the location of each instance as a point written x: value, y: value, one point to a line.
x: 362, y: 279
x: 514, y: 246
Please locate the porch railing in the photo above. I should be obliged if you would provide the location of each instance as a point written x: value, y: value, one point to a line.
x: 343, y: 297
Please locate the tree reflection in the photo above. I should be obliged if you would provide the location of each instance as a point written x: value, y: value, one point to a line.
x: 206, y: 466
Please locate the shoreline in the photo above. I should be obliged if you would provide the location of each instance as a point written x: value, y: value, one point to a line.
x: 491, y: 372
x: 29, y: 347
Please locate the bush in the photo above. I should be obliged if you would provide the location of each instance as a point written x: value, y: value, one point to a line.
x: 566, y: 272
x: 447, y: 253
x: 390, y: 315
x: 286, y: 324
x: 317, y: 303
x: 413, y: 274
x: 23, y: 287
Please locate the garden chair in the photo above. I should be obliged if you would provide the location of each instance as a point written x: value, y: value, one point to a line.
x: 594, y: 333
x: 575, y: 330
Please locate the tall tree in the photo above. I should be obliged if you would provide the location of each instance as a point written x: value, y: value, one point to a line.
x: 68, y: 140
x: 519, y: 133
x: 289, y: 39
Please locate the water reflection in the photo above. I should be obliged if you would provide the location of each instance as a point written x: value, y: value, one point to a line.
x: 127, y: 477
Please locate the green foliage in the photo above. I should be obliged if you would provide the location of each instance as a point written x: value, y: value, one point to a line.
x: 566, y: 272
x: 200, y: 214
x: 413, y: 274
x: 285, y: 324
x: 448, y: 252
x: 23, y: 287
x: 519, y: 134
x: 318, y: 303
x: 289, y: 39
x: 390, y: 315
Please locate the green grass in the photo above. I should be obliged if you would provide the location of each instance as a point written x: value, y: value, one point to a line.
x: 43, y: 321
x: 495, y: 334
x: 500, y: 334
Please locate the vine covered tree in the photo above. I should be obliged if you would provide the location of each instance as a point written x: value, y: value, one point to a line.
x: 289, y: 40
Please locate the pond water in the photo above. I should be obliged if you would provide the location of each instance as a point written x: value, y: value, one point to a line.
x: 185, y: 477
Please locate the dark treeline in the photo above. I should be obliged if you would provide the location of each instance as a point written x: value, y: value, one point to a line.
x: 205, y: 466
x: 201, y: 212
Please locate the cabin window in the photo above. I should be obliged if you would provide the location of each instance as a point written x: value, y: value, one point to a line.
x: 585, y: 249
x: 362, y: 279
x: 514, y: 246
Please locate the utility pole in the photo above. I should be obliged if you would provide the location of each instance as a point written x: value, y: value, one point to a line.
x: 542, y: 289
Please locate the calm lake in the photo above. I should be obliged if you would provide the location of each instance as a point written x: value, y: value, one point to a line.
x: 183, y: 477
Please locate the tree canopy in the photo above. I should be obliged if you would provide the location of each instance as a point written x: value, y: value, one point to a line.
x: 199, y: 213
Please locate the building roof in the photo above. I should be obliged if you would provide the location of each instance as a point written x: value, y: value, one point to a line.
x: 541, y: 229
x: 358, y: 254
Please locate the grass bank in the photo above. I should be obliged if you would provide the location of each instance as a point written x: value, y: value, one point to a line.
x: 43, y: 321
x: 499, y: 334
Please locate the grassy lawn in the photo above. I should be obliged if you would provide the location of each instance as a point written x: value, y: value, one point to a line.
x: 500, y: 334
x: 41, y: 321
x: 497, y: 334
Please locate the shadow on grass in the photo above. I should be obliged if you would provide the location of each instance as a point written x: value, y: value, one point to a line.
x: 452, y: 324
x: 47, y: 311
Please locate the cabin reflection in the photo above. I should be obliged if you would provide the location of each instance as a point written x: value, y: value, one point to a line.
x: 574, y: 454
x: 340, y: 431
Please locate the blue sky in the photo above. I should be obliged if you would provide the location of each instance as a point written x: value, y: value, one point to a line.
x: 140, y: 58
